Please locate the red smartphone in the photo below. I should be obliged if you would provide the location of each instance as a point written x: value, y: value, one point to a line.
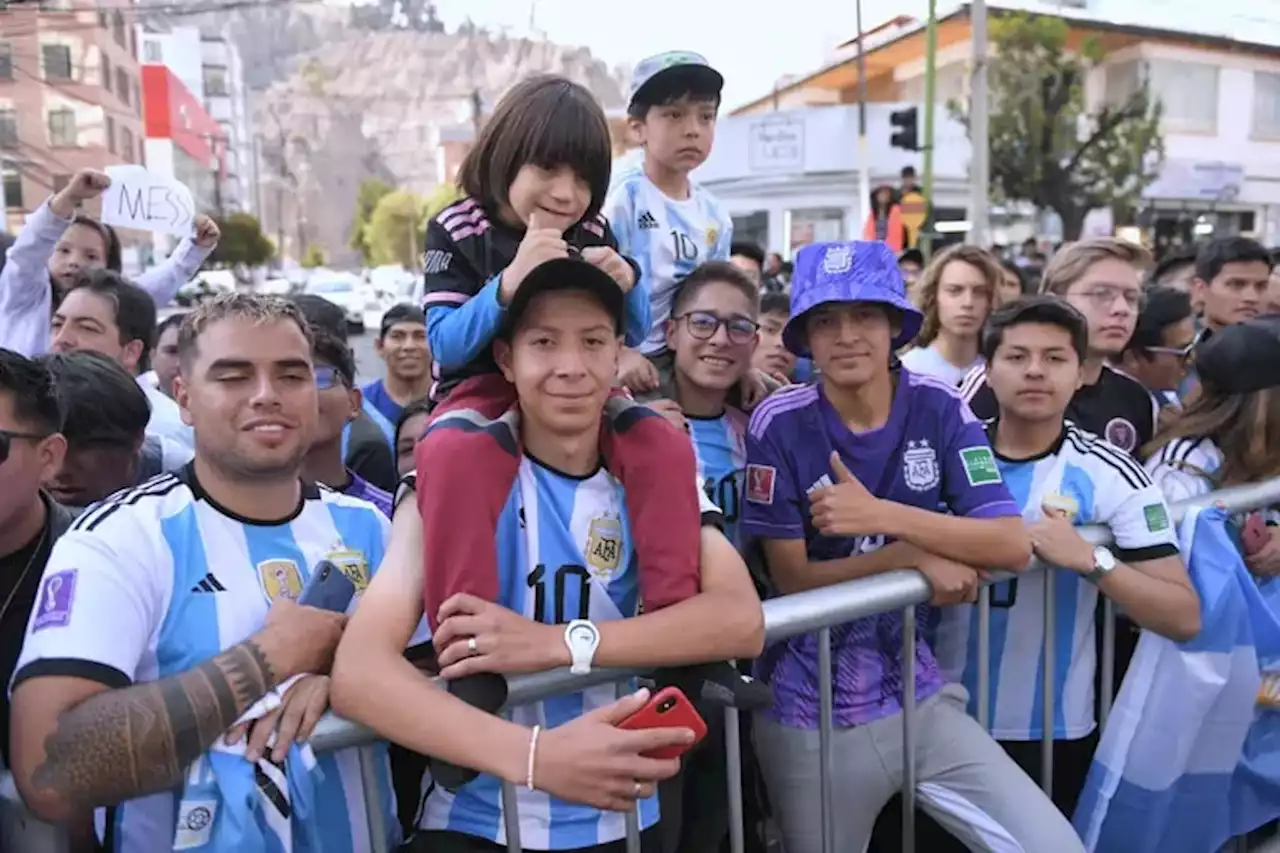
x: 669, y: 708
x: 1254, y: 534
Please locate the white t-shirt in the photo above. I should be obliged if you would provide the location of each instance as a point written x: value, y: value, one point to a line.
x: 929, y: 361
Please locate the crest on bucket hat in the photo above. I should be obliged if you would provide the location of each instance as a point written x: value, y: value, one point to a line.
x: 851, y: 271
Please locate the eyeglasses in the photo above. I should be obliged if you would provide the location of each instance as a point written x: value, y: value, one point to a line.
x: 1104, y: 295
x: 7, y: 437
x: 329, y: 377
x: 703, y: 326
x: 1183, y: 352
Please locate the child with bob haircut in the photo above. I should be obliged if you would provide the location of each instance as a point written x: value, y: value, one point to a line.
x: 534, y: 183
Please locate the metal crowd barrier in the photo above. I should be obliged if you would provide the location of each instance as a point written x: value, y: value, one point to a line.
x: 815, y: 610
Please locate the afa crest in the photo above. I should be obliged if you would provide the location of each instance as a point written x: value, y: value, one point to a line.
x: 280, y: 579
x: 838, y: 259
x: 604, y: 546
x: 1059, y: 502
x: 713, y: 234
x: 920, y: 466
x: 353, y: 565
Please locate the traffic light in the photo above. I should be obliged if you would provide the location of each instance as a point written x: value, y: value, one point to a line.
x: 906, y: 129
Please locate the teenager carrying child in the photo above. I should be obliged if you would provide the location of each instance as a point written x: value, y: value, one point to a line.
x: 535, y: 183
x: 57, y: 243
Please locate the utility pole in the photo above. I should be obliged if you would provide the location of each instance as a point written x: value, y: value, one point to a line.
x: 979, y: 105
x: 930, y: 87
x: 864, y: 161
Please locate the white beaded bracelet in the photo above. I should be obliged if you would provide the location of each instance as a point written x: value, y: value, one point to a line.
x: 533, y: 752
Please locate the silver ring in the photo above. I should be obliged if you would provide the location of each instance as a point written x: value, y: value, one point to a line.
x: 637, y: 790
x: 473, y: 646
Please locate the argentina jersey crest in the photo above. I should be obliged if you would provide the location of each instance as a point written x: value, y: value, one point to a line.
x: 565, y: 552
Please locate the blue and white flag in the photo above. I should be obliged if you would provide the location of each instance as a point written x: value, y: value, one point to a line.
x: 1190, y: 756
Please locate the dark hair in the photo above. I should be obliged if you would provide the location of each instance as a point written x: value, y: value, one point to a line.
x: 1216, y: 254
x: 333, y: 351
x: 712, y: 272
x: 1183, y: 256
x: 105, y: 405
x: 1045, y: 310
x: 670, y: 86
x: 322, y: 315
x: 1163, y: 307
x: 110, y: 241
x: 1018, y: 272
x: 544, y: 121
x: 401, y: 313
x: 173, y: 321
x: 135, y: 310
x: 34, y: 394
x: 420, y: 406
x: 747, y: 250
x: 908, y: 171
x: 775, y: 303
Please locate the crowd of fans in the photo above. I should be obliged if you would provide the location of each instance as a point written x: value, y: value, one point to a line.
x: 608, y: 432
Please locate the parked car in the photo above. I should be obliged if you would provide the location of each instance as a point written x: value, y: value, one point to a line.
x: 342, y: 289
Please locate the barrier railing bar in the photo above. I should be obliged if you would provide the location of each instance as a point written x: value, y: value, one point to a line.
x: 1046, y: 691
x: 733, y: 770
x: 633, y: 829
x: 825, y: 725
x: 511, y: 818
x: 373, y: 805
x: 984, y: 657
x: 1107, y: 665
x: 909, y: 729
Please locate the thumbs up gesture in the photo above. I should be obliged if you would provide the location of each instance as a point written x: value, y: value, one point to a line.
x: 846, y: 508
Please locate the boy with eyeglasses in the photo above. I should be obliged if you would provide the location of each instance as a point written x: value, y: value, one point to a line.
x: 1159, y: 353
x: 1101, y: 278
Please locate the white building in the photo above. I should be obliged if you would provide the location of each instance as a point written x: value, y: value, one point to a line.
x: 209, y: 66
x: 787, y: 163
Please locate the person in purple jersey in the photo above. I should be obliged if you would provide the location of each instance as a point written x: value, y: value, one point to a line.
x: 844, y: 480
x: 339, y: 398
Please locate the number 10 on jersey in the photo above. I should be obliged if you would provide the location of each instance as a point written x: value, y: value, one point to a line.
x: 559, y: 580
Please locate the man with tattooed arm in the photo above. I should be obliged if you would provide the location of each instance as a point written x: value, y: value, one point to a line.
x: 168, y: 672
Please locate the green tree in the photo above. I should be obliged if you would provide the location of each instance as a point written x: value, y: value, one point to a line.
x: 314, y: 257
x: 1046, y: 146
x: 242, y: 242
x: 372, y: 191
x: 396, y: 230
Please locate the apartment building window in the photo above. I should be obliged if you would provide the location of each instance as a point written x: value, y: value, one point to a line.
x: 126, y: 144
x: 122, y: 85
x: 142, y: 152
x: 117, y: 29
x: 1123, y: 81
x: 215, y: 81
x: 152, y: 52
x: 102, y: 20
x: 1266, y: 104
x: 62, y: 128
x: 133, y: 43
x: 8, y: 130
x: 57, y: 61
x: 12, y: 179
x: 60, y: 183
x: 6, y: 61
x: 55, y: 5
x: 1189, y: 92
x: 106, y: 72
x: 110, y: 130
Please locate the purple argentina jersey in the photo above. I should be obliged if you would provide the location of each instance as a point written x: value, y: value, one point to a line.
x: 932, y: 453
x: 361, y: 488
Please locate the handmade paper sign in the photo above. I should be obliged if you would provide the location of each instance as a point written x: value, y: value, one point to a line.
x: 141, y: 199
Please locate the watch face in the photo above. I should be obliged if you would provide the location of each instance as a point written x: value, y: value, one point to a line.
x: 582, y: 635
x: 1103, y: 559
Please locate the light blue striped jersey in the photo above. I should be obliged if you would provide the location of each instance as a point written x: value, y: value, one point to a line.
x: 720, y: 445
x: 564, y: 552
x: 1096, y: 483
x: 158, y: 578
x: 668, y: 238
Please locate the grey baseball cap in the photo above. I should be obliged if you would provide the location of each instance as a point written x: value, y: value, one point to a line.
x: 701, y: 75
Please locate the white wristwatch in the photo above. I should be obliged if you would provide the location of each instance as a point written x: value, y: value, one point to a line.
x: 582, y: 638
x: 1104, y: 563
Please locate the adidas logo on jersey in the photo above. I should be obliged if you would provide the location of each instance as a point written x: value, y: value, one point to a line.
x: 822, y: 482
x: 647, y: 221
x: 209, y: 584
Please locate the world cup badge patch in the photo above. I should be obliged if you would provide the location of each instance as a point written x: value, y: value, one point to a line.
x: 57, y: 593
x: 920, y: 466
x: 280, y: 579
x: 604, y: 546
x: 760, y: 482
